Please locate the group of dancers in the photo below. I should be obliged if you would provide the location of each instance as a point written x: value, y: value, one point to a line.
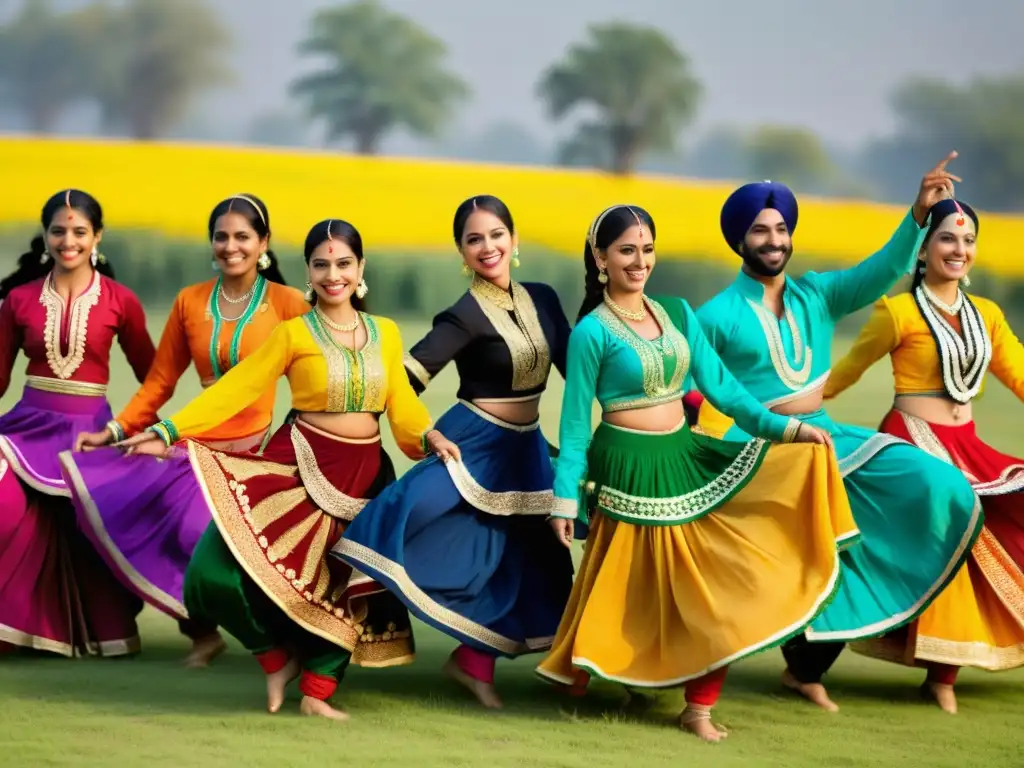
x: 723, y: 511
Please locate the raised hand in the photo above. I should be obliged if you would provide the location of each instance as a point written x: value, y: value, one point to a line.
x: 936, y: 186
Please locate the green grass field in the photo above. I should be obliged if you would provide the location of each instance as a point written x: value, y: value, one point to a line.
x: 149, y: 711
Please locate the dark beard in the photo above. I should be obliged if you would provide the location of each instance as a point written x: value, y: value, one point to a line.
x: 756, y: 264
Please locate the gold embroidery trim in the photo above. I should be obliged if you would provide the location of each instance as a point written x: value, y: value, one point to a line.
x: 65, y: 386
x: 320, y: 489
x: 64, y: 366
x: 504, y: 503
x: 791, y: 431
x: 417, y: 369
x: 524, y: 335
x: 1001, y: 572
x: 567, y: 508
x: 792, y: 378
x: 669, y: 348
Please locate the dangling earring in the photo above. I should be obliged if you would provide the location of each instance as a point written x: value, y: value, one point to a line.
x: 361, y: 289
x: 94, y: 257
x: 466, y: 271
x: 263, y: 262
x: 515, y: 256
x: 45, y: 257
x: 308, y: 295
x: 965, y: 281
x: 215, y: 265
x: 602, y: 276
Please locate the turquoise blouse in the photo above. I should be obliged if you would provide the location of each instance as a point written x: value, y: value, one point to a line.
x: 782, y: 360
x: 609, y: 361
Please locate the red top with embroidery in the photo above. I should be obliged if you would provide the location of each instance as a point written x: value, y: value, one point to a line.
x: 72, y: 344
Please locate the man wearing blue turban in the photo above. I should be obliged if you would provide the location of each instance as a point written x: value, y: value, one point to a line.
x: 918, y: 516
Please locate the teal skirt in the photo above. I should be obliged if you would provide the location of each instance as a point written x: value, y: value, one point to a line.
x: 918, y: 518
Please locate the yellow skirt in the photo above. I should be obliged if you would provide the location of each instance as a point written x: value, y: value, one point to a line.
x: 657, y: 605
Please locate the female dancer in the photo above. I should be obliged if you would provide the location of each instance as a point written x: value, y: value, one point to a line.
x: 700, y: 552
x: 464, y: 543
x: 145, y: 515
x: 261, y: 569
x: 942, y: 342
x: 62, y: 308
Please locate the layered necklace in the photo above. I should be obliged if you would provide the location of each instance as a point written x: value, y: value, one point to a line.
x: 964, y: 356
x: 637, y: 317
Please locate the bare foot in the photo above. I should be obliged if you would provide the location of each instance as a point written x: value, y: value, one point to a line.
x: 204, y: 650
x: 320, y: 708
x: 484, y: 692
x: 813, y: 692
x: 941, y: 694
x: 278, y: 681
x: 697, y: 720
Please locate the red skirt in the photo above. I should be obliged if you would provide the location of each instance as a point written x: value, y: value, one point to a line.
x: 282, y: 511
x: 978, y: 620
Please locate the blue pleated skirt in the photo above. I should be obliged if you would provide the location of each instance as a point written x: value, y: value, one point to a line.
x: 918, y: 518
x: 466, y: 545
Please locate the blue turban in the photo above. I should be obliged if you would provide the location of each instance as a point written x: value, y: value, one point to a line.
x: 746, y: 203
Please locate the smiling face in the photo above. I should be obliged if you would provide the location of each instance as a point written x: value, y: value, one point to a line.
x: 629, y: 260
x: 768, y: 245
x: 70, y: 238
x: 334, y: 272
x: 486, y: 246
x: 236, y: 245
x: 950, y: 251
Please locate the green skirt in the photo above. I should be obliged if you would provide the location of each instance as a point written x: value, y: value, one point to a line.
x: 665, y: 478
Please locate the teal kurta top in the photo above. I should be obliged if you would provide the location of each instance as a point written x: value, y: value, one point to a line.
x: 609, y: 361
x: 781, y: 360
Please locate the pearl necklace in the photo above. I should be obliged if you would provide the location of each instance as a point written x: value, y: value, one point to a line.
x: 636, y: 317
x: 949, y: 309
x: 346, y: 328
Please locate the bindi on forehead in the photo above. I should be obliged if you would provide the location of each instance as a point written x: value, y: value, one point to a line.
x: 957, y: 224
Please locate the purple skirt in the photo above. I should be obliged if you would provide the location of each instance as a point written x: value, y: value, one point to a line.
x: 144, y: 515
x: 55, y: 592
x: 39, y: 427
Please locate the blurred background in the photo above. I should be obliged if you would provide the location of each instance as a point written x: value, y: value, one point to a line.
x: 390, y: 113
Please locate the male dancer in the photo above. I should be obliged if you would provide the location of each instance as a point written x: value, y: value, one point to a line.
x: 917, y: 516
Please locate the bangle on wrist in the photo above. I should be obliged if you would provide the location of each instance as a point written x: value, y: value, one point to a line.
x: 792, y: 430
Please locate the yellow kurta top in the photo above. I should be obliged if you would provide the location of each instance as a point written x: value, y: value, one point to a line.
x: 897, y: 328
x: 187, y: 339
x: 324, y: 377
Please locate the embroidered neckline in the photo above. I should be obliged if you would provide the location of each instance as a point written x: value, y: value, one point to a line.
x: 964, y: 357
x: 653, y: 353
x: 258, y: 292
x: 355, y: 377
x: 64, y: 366
x: 793, y: 378
x: 522, y: 333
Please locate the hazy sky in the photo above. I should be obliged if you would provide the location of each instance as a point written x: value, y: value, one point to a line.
x: 824, y: 64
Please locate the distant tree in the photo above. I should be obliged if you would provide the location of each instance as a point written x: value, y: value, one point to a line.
x: 381, y: 72
x: 39, y: 64
x: 150, y: 59
x: 638, y: 84
x: 983, y: 120
x: 792, y: 155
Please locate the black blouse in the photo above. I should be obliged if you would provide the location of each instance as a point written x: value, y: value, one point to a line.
x: 503, y: 342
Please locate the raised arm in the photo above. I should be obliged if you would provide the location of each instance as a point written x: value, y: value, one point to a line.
x: 10, y: 343
x: 171, y: 361
x: 877, y: 338
x: 133, y: 335
x: 448, y: 336
x: 585, y: 351
x: 233, y: 392
x: 407, y: 415
x: 848, y: 290
x: 1007, y: 356
x: 726, y: 394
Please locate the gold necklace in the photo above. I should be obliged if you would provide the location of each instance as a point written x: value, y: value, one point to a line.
x: 636, y: 317
x: 346, y: 328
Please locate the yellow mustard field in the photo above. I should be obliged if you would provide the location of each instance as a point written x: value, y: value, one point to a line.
x: 407, y: 204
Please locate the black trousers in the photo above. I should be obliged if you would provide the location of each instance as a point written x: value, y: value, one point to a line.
x: 807, y: 661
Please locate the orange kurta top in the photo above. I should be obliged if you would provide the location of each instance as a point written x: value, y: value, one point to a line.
x: 897, y: 328
x: 187, y: 338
